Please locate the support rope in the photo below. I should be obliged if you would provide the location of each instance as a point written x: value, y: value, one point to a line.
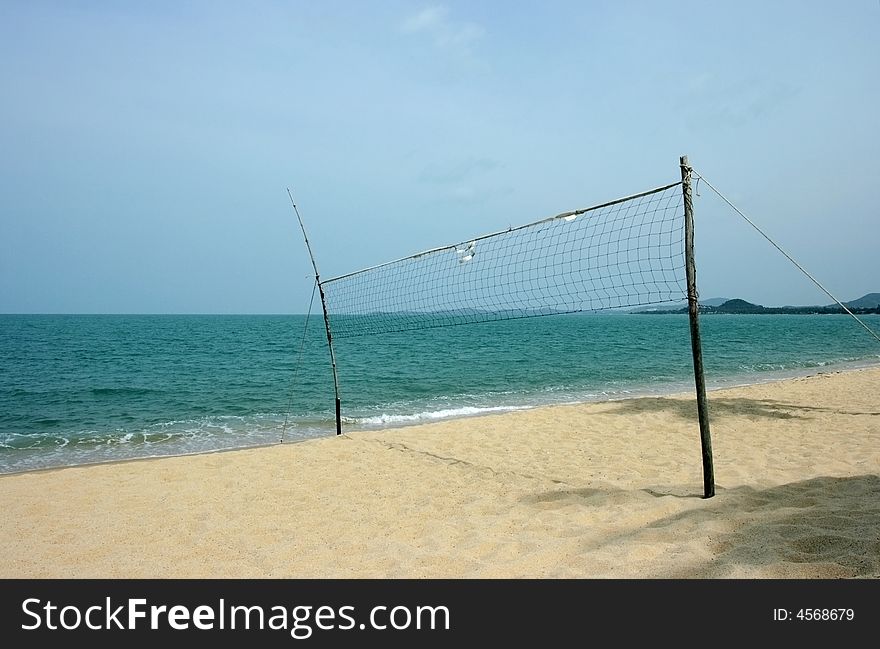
x: 787, y: 256
x: 302, y: 345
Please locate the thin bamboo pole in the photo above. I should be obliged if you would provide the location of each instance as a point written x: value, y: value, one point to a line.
x: 326, y: 317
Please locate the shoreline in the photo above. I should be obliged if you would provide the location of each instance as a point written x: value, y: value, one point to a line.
x: 609, y: 489
x: 672, y: 390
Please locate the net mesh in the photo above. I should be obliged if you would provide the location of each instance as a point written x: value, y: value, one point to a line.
x: 623, y: 254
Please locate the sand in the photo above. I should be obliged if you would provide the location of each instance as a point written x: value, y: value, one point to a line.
x: 594, y: 490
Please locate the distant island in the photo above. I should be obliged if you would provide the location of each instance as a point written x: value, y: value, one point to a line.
x: 869, y: 303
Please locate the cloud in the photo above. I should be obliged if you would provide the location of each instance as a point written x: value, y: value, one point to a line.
x: 429, y: 19
x: 466, y: 180
x: 457, y: 171
x: 714, y: 101
x: 457, y: 38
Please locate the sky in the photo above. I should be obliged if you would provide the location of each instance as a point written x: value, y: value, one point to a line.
x: 146, y: 148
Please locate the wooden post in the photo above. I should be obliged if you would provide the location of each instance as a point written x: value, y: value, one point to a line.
x: 694, y: 315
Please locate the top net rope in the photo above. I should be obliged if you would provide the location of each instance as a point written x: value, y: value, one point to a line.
x: 626, y: 253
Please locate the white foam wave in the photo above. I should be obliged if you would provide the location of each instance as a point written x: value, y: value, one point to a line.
x: 447, y: 413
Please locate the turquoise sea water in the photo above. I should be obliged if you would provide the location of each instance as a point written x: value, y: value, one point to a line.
x: 80, y: 389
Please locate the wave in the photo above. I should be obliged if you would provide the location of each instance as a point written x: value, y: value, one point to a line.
x: 29, y: 451
x: 806, y: 364
x: 431, y: 415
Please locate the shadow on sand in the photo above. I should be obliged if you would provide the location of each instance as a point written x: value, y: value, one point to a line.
x: 728, y: 407
x: 832, y: 524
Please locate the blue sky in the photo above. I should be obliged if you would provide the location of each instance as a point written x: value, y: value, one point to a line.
x: 145, y: 148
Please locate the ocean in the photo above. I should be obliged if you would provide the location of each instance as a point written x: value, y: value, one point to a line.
x: 79, y: 389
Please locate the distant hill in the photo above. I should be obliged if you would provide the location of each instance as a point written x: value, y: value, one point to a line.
x: 715, y: 301
x: 866, y: 304
x: 738, y: 306
x: 869, y: 301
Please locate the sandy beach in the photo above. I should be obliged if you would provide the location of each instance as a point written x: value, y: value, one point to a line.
x: 594, y: 490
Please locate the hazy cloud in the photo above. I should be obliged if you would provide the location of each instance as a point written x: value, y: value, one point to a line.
x: 465, y: 180
x: 457, y: 171
x: 428, y: 19
x: 735, y: 103
x: 457, y: 38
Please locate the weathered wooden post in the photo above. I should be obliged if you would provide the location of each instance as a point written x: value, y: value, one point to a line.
x: 694, y: 315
